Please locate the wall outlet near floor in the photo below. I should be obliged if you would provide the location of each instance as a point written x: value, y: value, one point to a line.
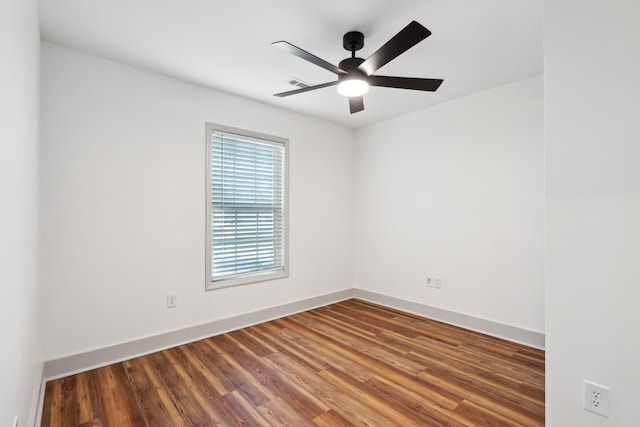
x: 430, y: 281
x: 596, y: 398
x: 172, y: 300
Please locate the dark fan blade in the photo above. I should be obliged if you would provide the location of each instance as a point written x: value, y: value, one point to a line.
x: 356, y: 103
x: 408, y: 37
x: 301, y: 53
x: 406, y: 82
x: 305, y: 89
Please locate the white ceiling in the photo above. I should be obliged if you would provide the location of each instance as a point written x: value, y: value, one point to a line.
x: 475, y: 45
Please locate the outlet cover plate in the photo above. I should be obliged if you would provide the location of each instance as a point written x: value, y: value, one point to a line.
x: 172, y: 300
x: 596, y: 398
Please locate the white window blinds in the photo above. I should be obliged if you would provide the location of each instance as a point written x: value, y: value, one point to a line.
x: 247, y: 211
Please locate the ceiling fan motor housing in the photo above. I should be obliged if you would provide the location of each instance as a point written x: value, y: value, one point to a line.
x: 350, y: 64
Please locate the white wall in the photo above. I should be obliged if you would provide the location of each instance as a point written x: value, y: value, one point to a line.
x: 124, y: 211
x: 592, y: 248
x: 19, y: 308
x: 456, y: 191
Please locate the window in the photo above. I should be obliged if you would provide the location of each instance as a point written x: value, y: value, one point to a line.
x: 246, y: 207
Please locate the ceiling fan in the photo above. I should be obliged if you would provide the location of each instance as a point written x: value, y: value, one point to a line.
x: 355, y: 75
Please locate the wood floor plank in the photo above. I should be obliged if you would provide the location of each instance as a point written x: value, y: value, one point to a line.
x: 240, y: 383
x: 352, y: 363
x: 333, y: 397
x: 331, y: 419
x: 53, y: 411
x: 205, y: 360
x: 503, y: 396
x: 145, y: 394
x: 130, y: 411
x: 473, y: 373
x: 282, y: 344
x: 85, y: 410
x: 489, y: 364
x: 198, y: 389
x: 422, y: 411
x: 329, y: 358
x: 281, y: 414
x: 95, y: 396
x: 377, y: 402
x: 374, y: 350
x: 177, y: 388
x: 245, y: 410
x: 71, y: 410
x: 506, y: 409
x: 166, y: 401
x: 482, y: 417
x: 251, y: 341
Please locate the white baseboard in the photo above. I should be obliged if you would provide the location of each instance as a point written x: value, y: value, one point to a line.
x: 69, y: 365
x: 489, y: 327
x: 64, y: 366
x: 35, y: 411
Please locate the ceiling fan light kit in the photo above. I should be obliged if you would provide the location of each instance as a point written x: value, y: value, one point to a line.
x: 352, y: 85
x: 355, y: 75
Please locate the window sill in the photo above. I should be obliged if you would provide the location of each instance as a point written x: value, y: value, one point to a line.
x: 246, y: 280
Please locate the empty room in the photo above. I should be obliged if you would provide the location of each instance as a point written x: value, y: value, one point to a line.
x: 322, y: 213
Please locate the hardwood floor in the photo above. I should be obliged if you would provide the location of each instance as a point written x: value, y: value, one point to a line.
x: 350, y: 363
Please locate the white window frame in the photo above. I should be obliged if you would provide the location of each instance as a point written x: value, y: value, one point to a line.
x: 255, y: 276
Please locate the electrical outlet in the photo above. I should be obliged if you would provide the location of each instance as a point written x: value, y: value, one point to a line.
x: 596, y: 398
x: 434, y: 282
x: 172, y: 300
